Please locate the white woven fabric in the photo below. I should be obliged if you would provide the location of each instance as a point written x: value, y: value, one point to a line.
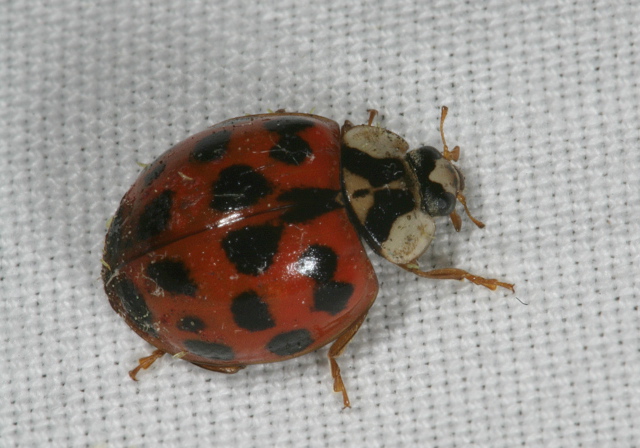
x: 543, y: 99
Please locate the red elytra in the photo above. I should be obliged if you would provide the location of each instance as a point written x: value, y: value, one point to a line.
x: 238, y: 246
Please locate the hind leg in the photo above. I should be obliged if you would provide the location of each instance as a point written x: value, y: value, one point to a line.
x: 146, y: 362
x: 336, y: 350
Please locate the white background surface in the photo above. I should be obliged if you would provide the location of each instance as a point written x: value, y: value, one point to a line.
x: 543, y: 99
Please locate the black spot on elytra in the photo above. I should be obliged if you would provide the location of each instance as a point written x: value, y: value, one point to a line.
x: 154, y: 171
x: 436, y: 201
x: 387, y: 207
x: 318, y: 262
x: 332, y: 297
x: 251, y: 249
x: 172, y: 276
x: 288, y: 125
x: 377, y: 171
x: 290, y: 343
x: 251, y: 312
x: 308, y: 203
x: 290, y: 148
x: 209, y: 350
x: 191, y: 324
x: 134, y: 305
x: 114, y: 241
x: 238, y: 186
x: 212, y: 147
x: 155, y: 216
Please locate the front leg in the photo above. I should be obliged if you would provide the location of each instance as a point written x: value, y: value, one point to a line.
x: 457, y: 274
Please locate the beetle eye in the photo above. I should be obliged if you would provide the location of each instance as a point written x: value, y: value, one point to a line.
x: 439, y: 180
x: 438, y: 202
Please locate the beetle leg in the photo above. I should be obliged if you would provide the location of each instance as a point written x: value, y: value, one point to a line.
x: 336, y: 350
x: 451, y: 156
x: 145, y: 363
x: 461, y: 199
x: 457, y: 274
x: 372, y: 115
x: 456, y: 220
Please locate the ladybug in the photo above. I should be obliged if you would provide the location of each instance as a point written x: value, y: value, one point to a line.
x: 242, y: 244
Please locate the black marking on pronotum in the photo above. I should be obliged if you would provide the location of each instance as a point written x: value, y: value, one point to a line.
x: 290, y: 343
x: 191, y: 324
x: 378, y: 172
x: 251, y: 312
x: 318, y: 262
x: 387, y: 207
x: 155, y: 216
x: 251, y: 249
x: 212, y: 147
x: 308, y: 203
x: 332, y: 297
x: 237, y: 187
x: 135, y: 308
x: 209, y: 350
x: 435, y: 200
x: 172, y: 276
x: 360, y: 193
